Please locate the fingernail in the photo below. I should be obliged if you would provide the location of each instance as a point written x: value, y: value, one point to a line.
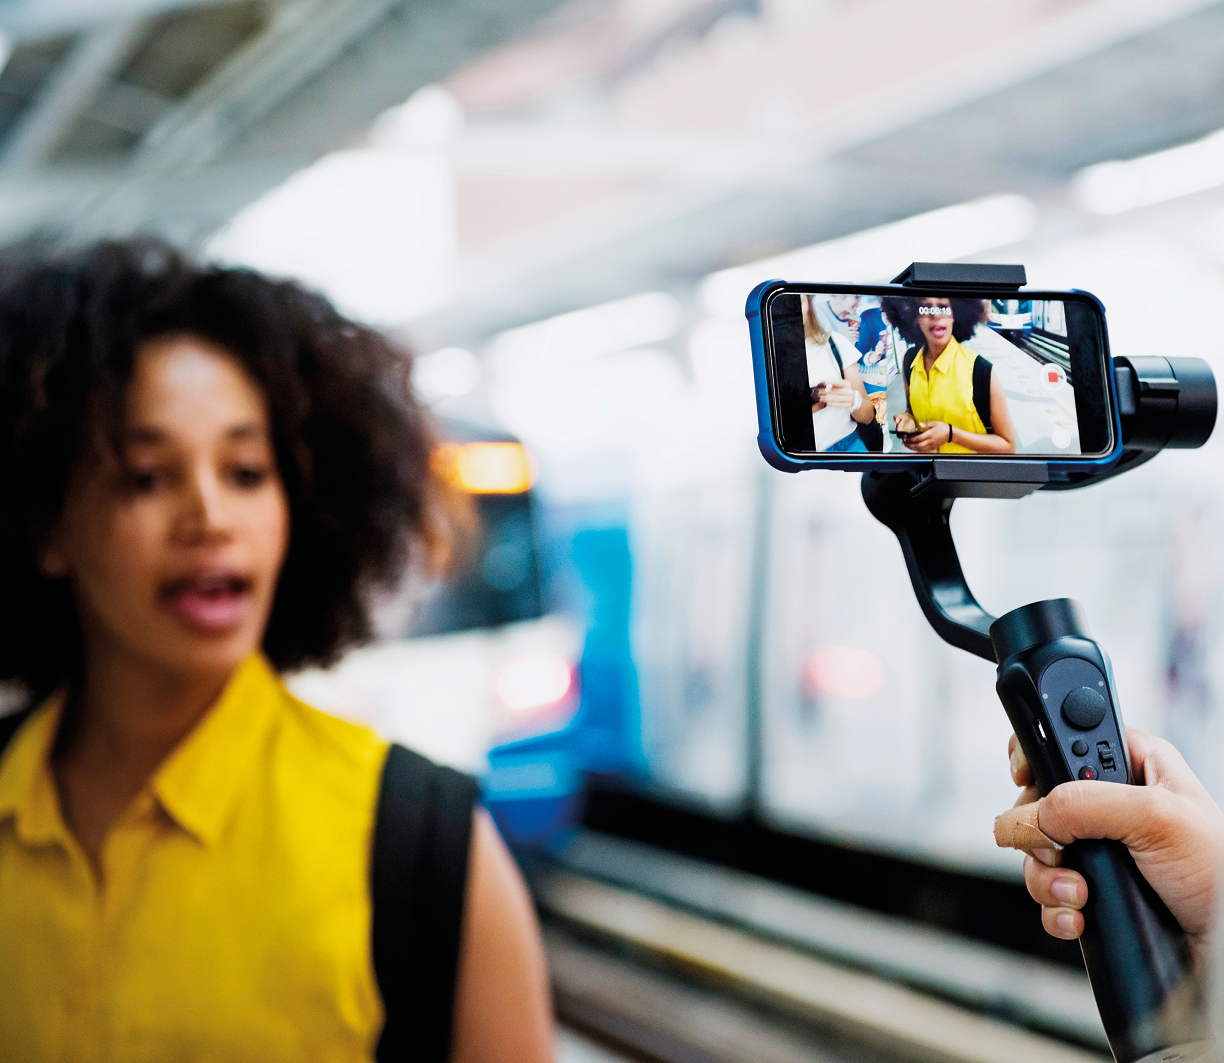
x: 1066, y: 923
x: 1047, y: 857
x: 1066, y: 890
x: 1012, y: 760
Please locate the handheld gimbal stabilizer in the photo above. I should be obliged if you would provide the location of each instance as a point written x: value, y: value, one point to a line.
x: 1056, y: 684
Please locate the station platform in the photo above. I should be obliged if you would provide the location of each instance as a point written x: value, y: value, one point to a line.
x: 660, y: 957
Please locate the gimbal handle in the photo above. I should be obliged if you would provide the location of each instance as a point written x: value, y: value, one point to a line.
x: 1136, y: 955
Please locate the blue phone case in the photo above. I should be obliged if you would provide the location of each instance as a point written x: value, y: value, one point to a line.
x: 1060, y: 470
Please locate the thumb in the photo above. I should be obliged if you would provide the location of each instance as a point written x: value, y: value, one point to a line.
x: 1141, y: 817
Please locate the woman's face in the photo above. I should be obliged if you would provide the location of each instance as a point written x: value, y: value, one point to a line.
x: 174, y: 548
x: 935, y: 320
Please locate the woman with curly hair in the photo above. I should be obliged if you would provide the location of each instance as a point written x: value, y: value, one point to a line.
x: 204, y: 474
x: 955, y: 398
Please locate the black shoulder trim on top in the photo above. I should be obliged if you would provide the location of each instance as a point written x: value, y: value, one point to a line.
x: 981, y: 390
x: 418, y: 876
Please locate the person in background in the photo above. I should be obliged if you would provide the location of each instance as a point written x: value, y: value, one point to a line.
x: 839, y: 314
x: 877, y: 365
x: 954, y: 395
x: 839, y: 400
x: 870, y: 331
x: 205, y: 473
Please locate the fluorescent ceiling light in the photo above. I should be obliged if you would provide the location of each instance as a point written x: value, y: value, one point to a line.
x: 1112, y: 187
x: 880, y: 253
x: 583, y: 334
x: 445, y: 374
x: 373, y: 229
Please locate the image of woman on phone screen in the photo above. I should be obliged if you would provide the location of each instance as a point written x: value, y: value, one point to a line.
x: 955, y: 397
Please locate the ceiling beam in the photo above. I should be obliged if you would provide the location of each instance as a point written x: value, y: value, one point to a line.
x: 88, y: 68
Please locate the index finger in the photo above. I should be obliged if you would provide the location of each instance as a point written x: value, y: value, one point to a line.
x: 1021, y: 773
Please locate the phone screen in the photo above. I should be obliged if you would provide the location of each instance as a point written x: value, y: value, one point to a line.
x: 863, y: 372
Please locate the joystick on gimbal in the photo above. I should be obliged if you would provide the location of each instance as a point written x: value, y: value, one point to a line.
x: 1057, y: 685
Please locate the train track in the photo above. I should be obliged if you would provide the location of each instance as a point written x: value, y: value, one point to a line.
x: 1045, y: 350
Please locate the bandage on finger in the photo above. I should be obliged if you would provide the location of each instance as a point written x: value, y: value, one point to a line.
x: 1017, y: 829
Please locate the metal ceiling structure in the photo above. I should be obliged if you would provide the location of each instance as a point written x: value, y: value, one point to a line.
x: 1121, y: 95
x: 127, y: 116
x: 121, y: 116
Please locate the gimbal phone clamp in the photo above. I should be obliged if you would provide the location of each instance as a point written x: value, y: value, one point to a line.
x: 1056, y: 683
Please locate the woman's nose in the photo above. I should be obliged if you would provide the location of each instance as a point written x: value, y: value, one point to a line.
x: 206, y: 510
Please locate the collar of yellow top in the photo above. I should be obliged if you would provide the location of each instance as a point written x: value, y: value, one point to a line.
x: 946, y: 357
x: 27, y: 790
x: 198, y: 784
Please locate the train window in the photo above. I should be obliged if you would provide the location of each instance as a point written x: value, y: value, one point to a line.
x: 500, y: 580
x: 500, y: 584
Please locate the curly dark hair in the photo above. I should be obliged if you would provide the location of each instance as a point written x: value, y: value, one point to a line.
x: 902, y: 311
x: 352, y: 444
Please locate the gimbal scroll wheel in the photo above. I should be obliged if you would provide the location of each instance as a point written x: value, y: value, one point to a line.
x: 1084, y: 708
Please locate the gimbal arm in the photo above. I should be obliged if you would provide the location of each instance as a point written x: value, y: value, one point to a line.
x: 1163, y: 403
x: 917, y: 510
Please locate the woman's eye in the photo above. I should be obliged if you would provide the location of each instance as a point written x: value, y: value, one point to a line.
x: 250, y: 475
x: 143, y: 481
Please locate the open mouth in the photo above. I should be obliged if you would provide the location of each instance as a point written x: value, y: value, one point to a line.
x: 210, y: 601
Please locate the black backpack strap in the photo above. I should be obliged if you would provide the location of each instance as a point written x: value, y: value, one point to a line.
x: 981, y: 390
x: 837, y: 357
x: 10, y: 725
x: 418, y: 875
x: 907, y: 363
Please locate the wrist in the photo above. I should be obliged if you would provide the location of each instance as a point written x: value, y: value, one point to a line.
x: 949, y: 433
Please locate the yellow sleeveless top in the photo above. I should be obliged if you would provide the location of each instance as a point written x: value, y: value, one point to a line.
x: 232, y: 918
x: 946, y: 394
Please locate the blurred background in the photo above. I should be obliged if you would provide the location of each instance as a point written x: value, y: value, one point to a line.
x: 687, y: 680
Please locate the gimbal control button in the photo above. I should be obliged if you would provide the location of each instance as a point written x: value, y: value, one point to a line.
x: 1087, y: 772
x: 1084, y: 708
x: 1079, y: 747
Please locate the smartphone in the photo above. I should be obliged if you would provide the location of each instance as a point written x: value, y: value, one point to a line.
x: 979, y: 374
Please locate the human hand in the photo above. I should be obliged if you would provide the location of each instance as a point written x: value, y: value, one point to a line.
x: 934, y: 435
x: 839, y: 394
x: 879, y: 402
x: 1170, y: 824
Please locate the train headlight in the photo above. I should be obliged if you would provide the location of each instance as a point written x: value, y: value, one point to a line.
x: 534, y: 681
x: 486, y: 468
x: 843, y: 670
